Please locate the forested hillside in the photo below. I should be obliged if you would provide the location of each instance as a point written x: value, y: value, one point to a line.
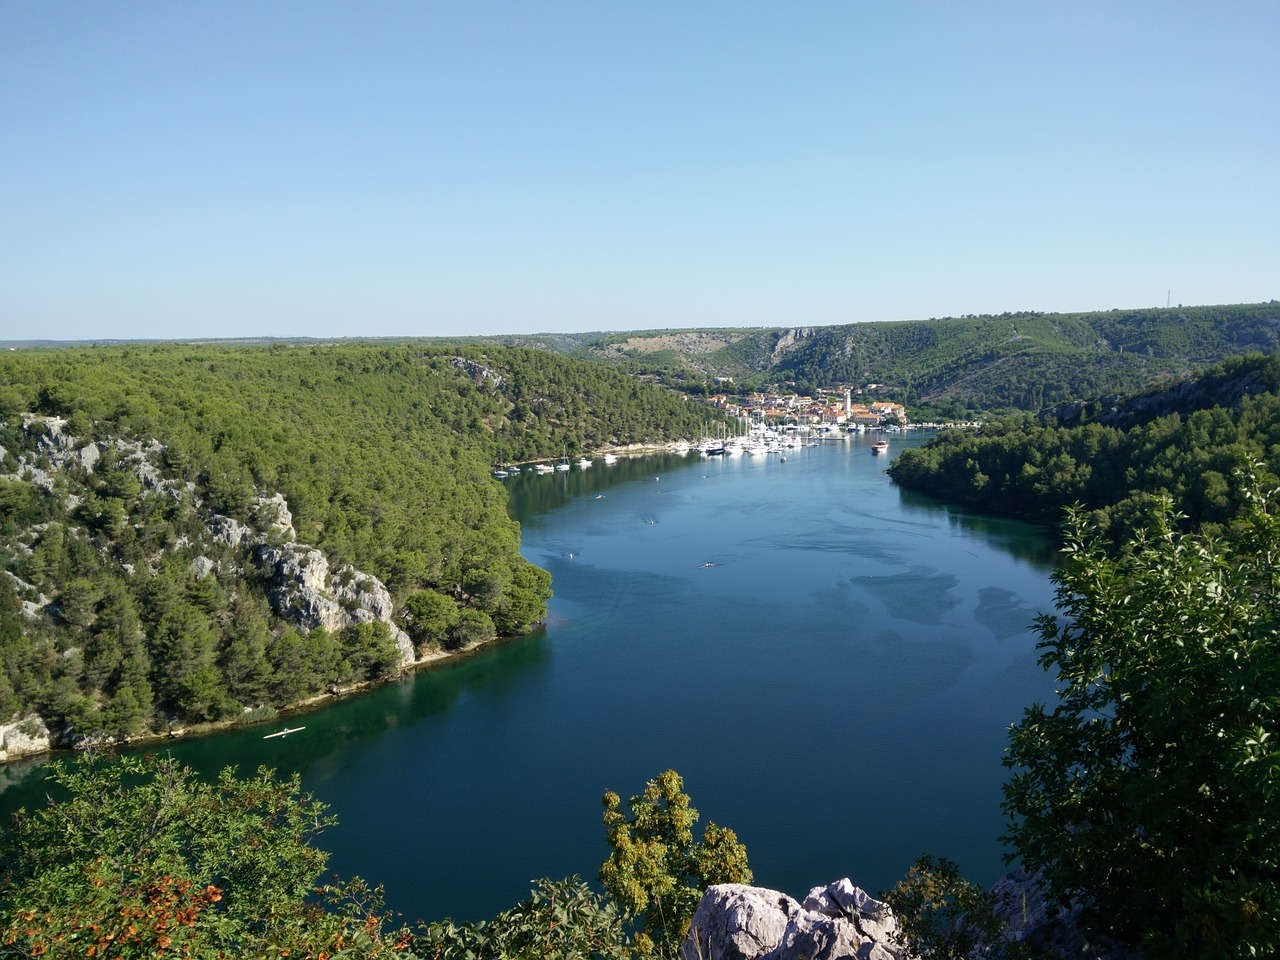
x: 1188, y: 441
x: 1025, y: 361
x: 191, y: 532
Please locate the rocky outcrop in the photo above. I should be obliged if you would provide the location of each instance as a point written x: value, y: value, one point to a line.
x: 24, y: 737
x: 479, y: 373
x: 303, y: 589
x: 273, y: 516
x: 304, y: 592
x: 787, y: 341
x: 738, y: 922
x: 839, y: 921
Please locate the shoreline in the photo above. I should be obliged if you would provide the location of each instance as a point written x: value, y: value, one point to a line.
x: 264, y: 715
x: 626, y: 450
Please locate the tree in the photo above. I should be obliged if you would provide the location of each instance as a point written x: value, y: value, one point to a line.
x: 429, y: 616
x: 561, y: 920
x: 370, y: 651
x: 141, y: 859
x: 526, y: 598
x: 471, y: 627
x: 943, y: 916
x: 657, y: 871
x: 1149, y: 791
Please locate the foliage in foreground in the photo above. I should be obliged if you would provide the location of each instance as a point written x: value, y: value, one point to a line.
x: 943, y: 916
x: 561, y: 920
x: 1149, y: 791
x: 657, y: 870
x: 138, y: 858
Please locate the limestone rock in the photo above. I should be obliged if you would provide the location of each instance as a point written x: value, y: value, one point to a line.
x: 364, y: 592
x: 23, y: 737
x: 737, y: 922
x: 478, y: 372
x: 89, y: 456
x: 230, y: 531
x: 300, y: 576
x: 872, y: 917
x: 404, y: 643
x: 303, y: 591
x: 274, y: 516
x: 201, y: 567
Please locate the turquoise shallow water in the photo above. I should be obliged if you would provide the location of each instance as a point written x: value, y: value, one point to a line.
x: 831, y: 663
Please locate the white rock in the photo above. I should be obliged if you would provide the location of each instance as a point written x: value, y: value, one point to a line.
x: 737, y: 922
x: 23, y: 737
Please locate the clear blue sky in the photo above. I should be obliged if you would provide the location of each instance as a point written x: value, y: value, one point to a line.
x: 228, y: 168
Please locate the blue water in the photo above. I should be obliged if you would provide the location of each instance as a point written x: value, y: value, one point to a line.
x: 829, y: 662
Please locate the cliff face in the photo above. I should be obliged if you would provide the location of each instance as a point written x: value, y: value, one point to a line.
x: 303, y: 589
x: 24, y: 737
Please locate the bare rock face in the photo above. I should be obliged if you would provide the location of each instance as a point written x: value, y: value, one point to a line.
x: 299, y: 589
x: 229, y: 531
x: 363, y: 592
x: 201, y: 567
x: 89, y: 456
x: 274, y: 515
x: 737, y: 922
x: 24, y: 737
x: 303, y: 591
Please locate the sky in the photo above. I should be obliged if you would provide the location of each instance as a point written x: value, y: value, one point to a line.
x: 466, y: 167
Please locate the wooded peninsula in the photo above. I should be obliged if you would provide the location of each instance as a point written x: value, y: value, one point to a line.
x: 204, y: 533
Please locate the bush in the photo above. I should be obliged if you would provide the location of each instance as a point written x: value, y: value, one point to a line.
x: 1149, y: 791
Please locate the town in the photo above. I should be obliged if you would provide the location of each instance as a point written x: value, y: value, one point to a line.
x: 834, y: 406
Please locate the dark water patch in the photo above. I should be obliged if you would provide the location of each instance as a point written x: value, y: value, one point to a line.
x: 920, y: 594
x: 1003, y: 613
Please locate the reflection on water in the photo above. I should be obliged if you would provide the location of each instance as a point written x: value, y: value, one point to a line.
x: 1008, y: 534
x: 830, y: 663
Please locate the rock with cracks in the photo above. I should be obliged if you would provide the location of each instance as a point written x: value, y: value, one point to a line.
x: 738, y: 922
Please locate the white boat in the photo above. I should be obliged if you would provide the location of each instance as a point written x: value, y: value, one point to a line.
x: 880, y: 446
x: 544, y: 468
x: 584, y: 463
x: 610, y: 458
x: 283, y: 733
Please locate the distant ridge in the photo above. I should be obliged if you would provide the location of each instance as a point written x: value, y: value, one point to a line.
x: 1026, y: 360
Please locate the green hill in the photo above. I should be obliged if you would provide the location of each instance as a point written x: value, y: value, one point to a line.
x: 189, y: 532
x: 1024, y: 361
x: 1189, y: 441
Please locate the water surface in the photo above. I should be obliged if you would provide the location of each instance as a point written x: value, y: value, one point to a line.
x: 831, y: 664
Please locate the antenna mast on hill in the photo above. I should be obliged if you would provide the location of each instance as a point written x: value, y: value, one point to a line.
x: 1166, y: 298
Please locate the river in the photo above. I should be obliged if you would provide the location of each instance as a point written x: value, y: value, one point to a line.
x: 831, y: 663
